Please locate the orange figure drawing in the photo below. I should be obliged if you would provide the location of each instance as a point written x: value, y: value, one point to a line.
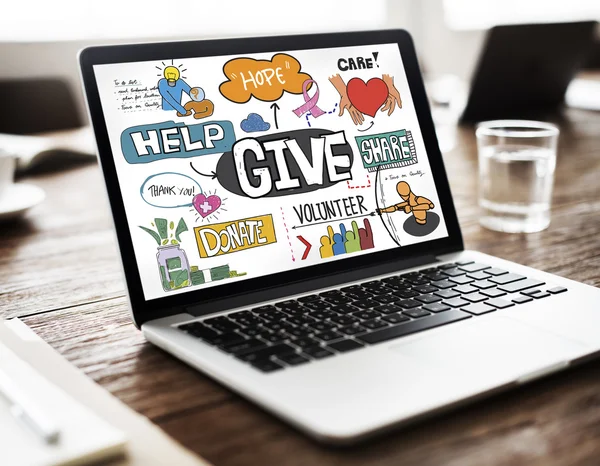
x: 199, y: 105
x: 417, y: 205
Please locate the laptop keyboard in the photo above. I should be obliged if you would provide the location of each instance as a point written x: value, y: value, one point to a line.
x: 316, y: 326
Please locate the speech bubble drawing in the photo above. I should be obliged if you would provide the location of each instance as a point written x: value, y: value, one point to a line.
x: 169, y: 190
x: 266, y: 80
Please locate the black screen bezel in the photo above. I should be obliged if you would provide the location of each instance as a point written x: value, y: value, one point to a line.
x: 144, y: 310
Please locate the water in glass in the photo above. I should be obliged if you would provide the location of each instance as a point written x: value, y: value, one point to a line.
x: 516, y: 187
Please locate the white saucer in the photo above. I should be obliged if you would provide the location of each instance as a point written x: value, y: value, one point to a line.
x: 18, y: 198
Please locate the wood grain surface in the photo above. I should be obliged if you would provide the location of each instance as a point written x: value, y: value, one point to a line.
x: 60, y: 272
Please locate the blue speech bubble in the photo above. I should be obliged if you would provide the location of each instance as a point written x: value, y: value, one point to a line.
x: 169, y: 190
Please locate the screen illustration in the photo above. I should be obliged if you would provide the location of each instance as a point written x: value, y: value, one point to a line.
x: 238, y: 167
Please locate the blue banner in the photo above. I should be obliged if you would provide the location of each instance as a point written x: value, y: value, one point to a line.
x: 158, y: 141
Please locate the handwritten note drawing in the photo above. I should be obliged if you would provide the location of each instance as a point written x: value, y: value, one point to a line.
x: 169, y: 190
x: 132, y: 96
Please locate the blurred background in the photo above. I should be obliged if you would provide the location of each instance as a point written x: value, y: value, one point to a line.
x: 59, y: 266
x: 40, y: 39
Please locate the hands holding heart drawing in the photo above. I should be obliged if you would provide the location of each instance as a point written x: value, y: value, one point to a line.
x: 393, y: 98
x: 360, y: 98
x: 345, y: 104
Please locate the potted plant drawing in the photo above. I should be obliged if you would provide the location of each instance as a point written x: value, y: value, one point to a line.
x: 173, y: 265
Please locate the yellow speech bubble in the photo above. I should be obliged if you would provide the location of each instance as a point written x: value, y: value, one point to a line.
x: 227, y: 237
x: 264, y: 79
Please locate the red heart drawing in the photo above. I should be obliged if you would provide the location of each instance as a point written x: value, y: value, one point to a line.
x: 367, y: 97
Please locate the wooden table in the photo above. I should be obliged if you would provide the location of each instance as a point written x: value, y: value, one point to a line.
x: 60, y: 272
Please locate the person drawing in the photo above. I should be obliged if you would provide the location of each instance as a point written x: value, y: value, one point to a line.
x: 171, y: 88
x: 338, y: 240
x: 366, y: 235
x: 201, y: 107
x: 346, y: 242
x: 326, y: 249
x: 353, y: 239
x: 417, y: 205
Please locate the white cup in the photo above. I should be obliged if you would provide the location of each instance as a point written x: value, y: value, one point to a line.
x: 8, y: 164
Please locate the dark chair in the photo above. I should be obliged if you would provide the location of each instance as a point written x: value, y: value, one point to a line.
x: 37, y: 105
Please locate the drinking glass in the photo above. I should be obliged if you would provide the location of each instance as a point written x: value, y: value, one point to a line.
x: 517, y: 159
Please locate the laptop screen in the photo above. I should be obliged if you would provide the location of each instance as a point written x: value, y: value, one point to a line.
x: 240, y: 167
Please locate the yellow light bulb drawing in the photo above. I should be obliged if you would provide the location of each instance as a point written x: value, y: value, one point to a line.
x: 171, y: 73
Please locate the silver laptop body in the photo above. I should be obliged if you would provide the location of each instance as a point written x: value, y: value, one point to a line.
x: 338, y: 296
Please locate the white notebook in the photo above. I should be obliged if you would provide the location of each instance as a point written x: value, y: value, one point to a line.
x: 35, y: 149
x: 147, y: 444
x: 84, y: 437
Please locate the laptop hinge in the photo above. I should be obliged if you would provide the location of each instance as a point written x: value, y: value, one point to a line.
x: 306, y: 286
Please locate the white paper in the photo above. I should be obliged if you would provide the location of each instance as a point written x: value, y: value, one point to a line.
x: 146, y: 443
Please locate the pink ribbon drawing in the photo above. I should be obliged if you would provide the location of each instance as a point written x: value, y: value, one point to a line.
x: 310, y: 103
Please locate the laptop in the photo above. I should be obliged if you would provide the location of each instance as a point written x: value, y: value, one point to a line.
x: 524, y: 70
x: 286, y: 227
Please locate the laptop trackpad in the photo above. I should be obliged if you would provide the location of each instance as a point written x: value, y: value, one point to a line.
x: 492, y: 345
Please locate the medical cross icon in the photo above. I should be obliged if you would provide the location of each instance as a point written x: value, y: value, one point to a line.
x: 205, y: 207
